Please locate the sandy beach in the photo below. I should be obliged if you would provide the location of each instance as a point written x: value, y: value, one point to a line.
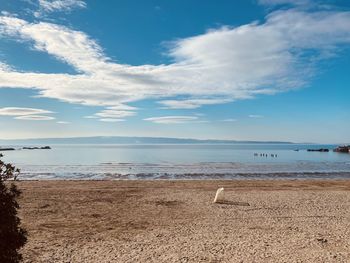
x: 176, y: 221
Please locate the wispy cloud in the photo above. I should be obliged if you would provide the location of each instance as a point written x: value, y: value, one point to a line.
x: 31, y: 114
x: 49, y: 6
x: 191, y: 103
x: 109, y: 113
x: 17, y: 111
x: 114, y: 113
x: 255, y: 116
x: 111, y: 120
x: 63, y: 122
x: 35, y: 118
x: 233, y: 63
x: 172, y: 119
x: 122, y: 107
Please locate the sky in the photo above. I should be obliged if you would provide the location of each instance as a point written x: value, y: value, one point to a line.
x: 267, y: 70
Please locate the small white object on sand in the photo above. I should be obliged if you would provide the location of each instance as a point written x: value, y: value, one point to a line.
x: 219, y: 195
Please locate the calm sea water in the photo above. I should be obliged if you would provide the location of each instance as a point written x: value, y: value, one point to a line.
x: 231, y: 161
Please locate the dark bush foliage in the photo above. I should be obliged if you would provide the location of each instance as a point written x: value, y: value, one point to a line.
x: 12, y: 236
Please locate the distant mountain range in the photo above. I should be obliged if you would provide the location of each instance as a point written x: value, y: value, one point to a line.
x: 126, y: 140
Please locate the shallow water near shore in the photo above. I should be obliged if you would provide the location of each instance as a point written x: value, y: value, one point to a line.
x: 175, y: 161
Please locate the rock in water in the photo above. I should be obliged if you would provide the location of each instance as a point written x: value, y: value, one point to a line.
x: 7, y: 149
x: 318, y: 150
x: 342, y: 149
x: 219, y: 195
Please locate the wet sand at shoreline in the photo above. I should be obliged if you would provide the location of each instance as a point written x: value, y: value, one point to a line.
x: 176, y: 221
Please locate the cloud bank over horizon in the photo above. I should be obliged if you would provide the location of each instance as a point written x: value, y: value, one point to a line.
x: 219, y: 66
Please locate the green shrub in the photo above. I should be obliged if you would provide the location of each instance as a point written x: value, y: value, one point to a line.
x: 12, y: 236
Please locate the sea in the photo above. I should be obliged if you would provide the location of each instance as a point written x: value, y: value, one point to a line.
x: 179, y: 161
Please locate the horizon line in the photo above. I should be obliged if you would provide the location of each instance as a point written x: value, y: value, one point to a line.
x: 165, y: 137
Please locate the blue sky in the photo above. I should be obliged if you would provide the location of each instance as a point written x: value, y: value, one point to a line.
x: 244, y: 70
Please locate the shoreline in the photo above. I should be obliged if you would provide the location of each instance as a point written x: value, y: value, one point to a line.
x: 294, y: 183
x: 176, y: 221
x: 343, y: 175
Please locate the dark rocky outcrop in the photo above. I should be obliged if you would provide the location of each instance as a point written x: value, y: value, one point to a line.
x: 318, y: 150
x: 342, y: 149
x: 46, y: 148
x: 37, y: 148
x: 26, y: 148
x: 7, y: 149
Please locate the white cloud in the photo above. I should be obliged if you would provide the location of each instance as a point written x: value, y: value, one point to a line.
x: 172, y: 119
x: 111, y: 120
x: 255, y: 116
x: 63, y: 122
x: 48, y: 6
x: 123, y: 107
x: 6, y: 13
x: 221, y: 65
x: 191, y: 103
x: 16, y: 111
x: 4, y: 67
x: 26, y: 113
x: 114, y: 113
x: 34, y: 118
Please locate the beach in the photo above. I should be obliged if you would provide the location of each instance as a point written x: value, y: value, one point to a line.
x: 176, y: 221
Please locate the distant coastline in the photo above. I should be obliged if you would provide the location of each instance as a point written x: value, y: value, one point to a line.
x: 128, y: 140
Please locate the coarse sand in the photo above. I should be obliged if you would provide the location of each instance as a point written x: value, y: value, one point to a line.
x: 177, y: 221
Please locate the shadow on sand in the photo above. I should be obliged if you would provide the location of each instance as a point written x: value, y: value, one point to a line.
x: 225, y: 202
